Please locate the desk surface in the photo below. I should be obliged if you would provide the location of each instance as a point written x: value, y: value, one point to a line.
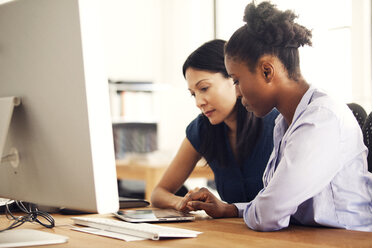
x: 229, y: 232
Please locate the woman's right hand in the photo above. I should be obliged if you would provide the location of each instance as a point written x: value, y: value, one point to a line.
x: 182, y: 205
x: 205, y: 200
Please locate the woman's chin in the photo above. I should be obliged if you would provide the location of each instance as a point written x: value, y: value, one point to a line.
x: 214, y: 121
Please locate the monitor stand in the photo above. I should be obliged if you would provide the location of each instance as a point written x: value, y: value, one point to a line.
x: 19, y: 237
x: 7, y: 105
x: 29, y: 237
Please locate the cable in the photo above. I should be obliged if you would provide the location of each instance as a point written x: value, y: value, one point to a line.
x: 32, y: 214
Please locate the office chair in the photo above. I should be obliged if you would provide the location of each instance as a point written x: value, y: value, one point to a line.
x: 367, y: 135
x: 359, y: 113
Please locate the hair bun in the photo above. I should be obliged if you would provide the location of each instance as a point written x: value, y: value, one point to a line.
x: 274, y: 27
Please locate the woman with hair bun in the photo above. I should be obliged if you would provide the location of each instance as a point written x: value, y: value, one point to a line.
x: 317, y: 173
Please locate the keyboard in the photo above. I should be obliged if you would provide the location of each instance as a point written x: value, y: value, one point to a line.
x: 144, y: 230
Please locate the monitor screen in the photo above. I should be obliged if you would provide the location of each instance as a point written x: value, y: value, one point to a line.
x: 51, y: 59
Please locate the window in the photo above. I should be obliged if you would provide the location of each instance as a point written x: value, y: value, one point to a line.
x: 340, y: 59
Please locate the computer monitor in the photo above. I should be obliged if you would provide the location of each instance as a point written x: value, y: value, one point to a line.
x: 51, y: 59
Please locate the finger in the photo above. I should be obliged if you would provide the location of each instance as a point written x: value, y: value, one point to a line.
x: 196, y: 189
x: 190, y: 208
x: 201, y: 195
x: 191, y: 195
x: 199, y: 205
x: 182, y: 207
x: 191, y: 191
x: 186, y: 209
x: 183, y: 203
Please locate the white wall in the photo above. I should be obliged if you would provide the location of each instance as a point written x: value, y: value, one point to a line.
x: 186, y: 25
x: 131, y: 33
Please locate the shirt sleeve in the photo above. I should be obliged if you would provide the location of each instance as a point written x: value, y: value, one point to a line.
x: 241, y: 206
x: 193, y: 132
x: 310, y: 158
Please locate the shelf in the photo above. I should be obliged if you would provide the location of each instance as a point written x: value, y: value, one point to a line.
x: 133, y: 86
x: 133, y: 121
x: 137, y: 86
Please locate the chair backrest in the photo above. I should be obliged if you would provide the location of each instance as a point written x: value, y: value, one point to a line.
x: 359, y: 113
x: 367, y: 135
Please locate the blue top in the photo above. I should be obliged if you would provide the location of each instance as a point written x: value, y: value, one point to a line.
x: 317, y: 173
x: 235, y: 183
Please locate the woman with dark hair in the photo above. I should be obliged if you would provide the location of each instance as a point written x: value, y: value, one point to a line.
x: 235, y: 143
x: 317, y: 173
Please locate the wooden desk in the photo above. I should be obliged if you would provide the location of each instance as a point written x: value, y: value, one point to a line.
x: 152, y: 173
x: 230, y: 232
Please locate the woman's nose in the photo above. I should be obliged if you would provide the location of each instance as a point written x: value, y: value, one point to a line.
x: 200, y: 101
x: 237, y: 91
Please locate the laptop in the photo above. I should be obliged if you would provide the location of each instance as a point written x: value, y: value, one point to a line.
x: 153, y: 215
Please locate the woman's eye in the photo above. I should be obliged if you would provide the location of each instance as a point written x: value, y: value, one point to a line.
x: 236, y: 82
x: 192, y: 94
x: 204, y: 89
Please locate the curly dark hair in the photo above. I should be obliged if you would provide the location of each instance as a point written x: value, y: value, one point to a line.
x: 271, y: 31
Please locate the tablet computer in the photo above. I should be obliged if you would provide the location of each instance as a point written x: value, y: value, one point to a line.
x: 153, y: 215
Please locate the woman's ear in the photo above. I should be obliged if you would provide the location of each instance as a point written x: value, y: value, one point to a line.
x: 267, y: 70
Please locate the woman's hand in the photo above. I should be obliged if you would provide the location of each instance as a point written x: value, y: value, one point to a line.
x: 203, y: 199
x: 182, y: 205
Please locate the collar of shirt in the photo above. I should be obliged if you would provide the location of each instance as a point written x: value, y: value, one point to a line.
x: 280, y: 130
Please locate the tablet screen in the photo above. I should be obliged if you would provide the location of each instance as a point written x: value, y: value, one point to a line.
x: 153, y: 215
